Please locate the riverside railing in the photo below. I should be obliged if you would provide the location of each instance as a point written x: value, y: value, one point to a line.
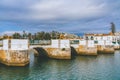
x: 40, y: 42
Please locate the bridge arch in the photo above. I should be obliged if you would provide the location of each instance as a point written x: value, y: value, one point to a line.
x: 41, y: 52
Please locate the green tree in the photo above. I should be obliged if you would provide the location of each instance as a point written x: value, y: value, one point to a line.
x: 16, y: 36
x: 40, y: 35
x: 29, y: 36
x: 55, y: 35
x: 47, y: 36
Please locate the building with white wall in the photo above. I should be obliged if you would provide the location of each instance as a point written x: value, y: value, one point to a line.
x: 100, y: 39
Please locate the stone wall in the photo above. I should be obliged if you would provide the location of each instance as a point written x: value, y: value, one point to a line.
x: 2, y: 55
x: 84, y: 50
x: 14, y: 58
x: 105, y: 49
x: 116, y: 47
x: 57, y: 53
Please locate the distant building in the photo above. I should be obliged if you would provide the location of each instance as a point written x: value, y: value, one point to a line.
x: 105, y: 39
x: 117, y: 36
x: 99, y: 37
x: 70, y: 36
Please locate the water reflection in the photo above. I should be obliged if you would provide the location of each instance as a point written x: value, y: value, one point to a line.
x: 101, y: 67
x: 11, y: 73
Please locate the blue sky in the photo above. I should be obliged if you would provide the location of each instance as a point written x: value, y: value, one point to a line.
x: 72, y: 16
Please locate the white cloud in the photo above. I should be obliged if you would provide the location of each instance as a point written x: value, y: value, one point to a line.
x: 67, y: 9
x: 54, y: 9
x: 61, y: 15
x: 12, y: 32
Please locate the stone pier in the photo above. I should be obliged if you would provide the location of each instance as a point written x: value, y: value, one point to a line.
x: 84, y: 50
x: 57, y: 53
x: 86, y: 47
x: 14, y: 58
x: 105, y: 49
x: 14, y: 52
x: 117, y: 47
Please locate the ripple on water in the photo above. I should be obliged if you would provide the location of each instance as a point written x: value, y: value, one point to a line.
x: 101, y: 67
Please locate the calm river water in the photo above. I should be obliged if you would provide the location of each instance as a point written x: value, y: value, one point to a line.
x: 101, y: 67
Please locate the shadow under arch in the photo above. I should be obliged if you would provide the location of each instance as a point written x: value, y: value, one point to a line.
x: 42, y: 53
x: 73, y: 52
